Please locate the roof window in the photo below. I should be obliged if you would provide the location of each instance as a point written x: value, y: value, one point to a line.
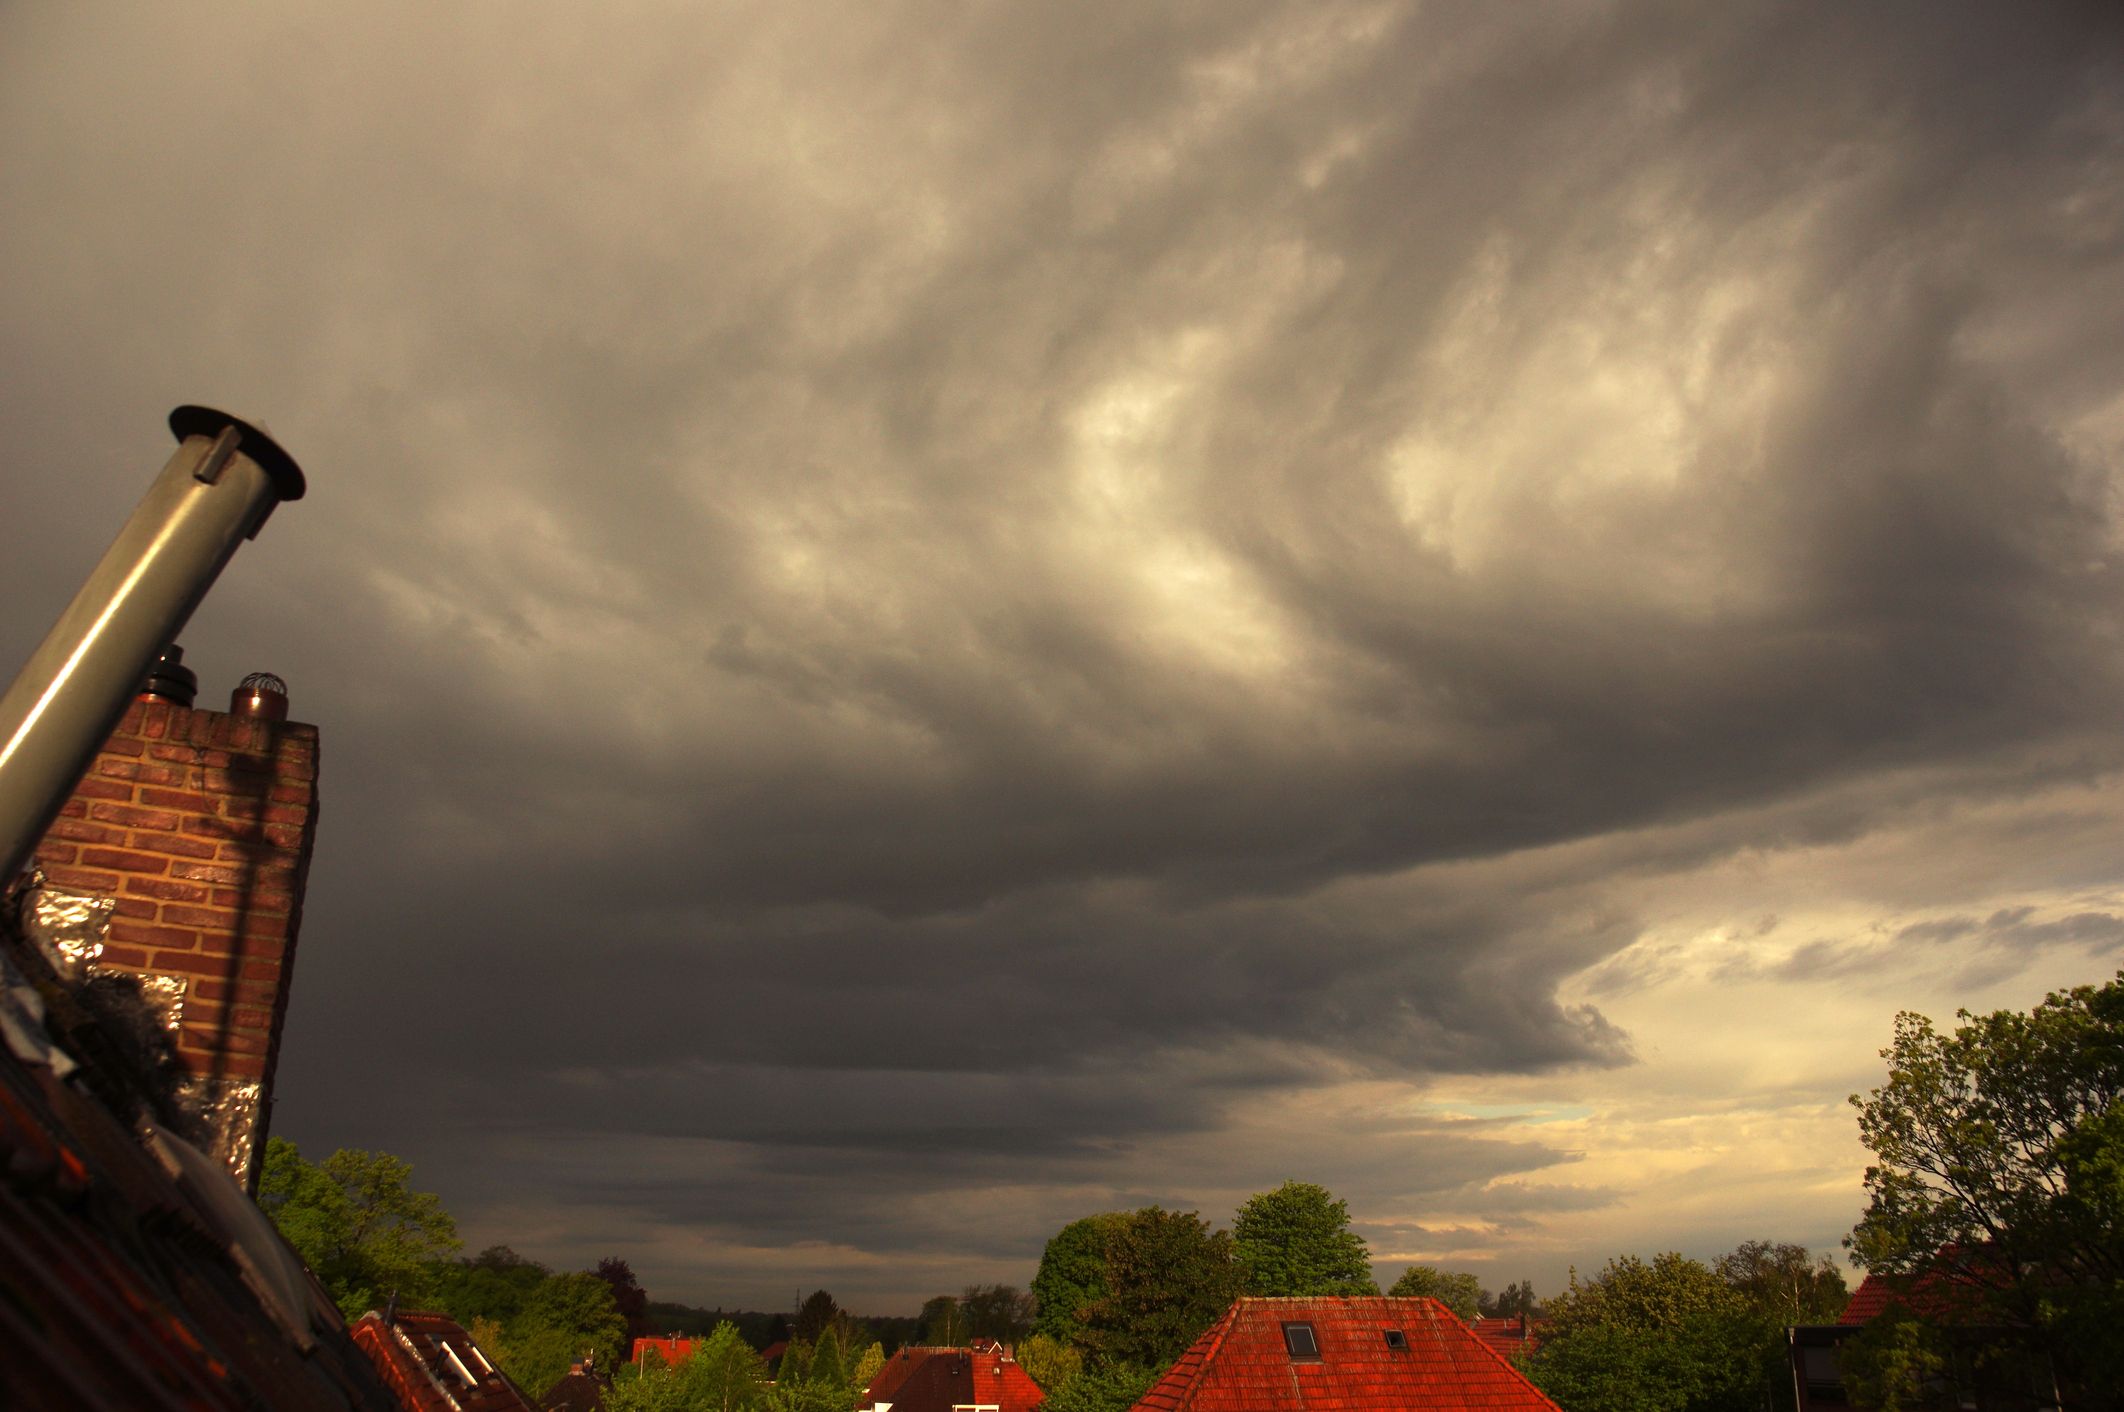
x: 1397, y: 1340
x: 1299, y: 1339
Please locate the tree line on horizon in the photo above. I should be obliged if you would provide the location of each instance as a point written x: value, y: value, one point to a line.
x: 2000, y: 1177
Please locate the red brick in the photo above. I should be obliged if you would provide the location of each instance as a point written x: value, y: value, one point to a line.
x: 210, y: 872
x: 251, y: 1017
x: 248, y: 764
x: 162, y: 938
x: 287, y: 836
x: 291, y: 794
x: 123, y: 956
x: 253, y: 901
x: 175, y: 843
x: 137, y: 818
x: 122, y: 858
x: 261, y: 970
x: 168, y: 890
x: 118, y: 769
x: 176, y: 799
x: 82, y: 831
x: 82, y: 878
x: 262, y: 992
x: 183, y: 754
x: 121, y: 745
x: 190, y: 963
x: 74, y: 809
x: 164, y: 774
x: 138, y: 908
x: 50, y: 853
x: 285, y: 814
x: 102, y: 789
x: 155, y: 724
x: 213, y: 828
x: 184, y: 915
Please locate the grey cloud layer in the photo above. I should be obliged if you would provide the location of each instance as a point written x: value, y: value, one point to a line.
x: 919, y: 562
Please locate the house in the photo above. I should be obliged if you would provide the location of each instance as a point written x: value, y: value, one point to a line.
x: 432, y: 1365
x: 1510, y: 1336
x: 1989, y: 1369
x: 672, y: 1348
x: 985, y: 1377
x: 1364, y: 1354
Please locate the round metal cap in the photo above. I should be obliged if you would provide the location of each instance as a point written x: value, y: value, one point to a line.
x: 278, y: 465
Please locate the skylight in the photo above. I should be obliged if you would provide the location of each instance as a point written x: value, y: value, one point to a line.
x: 1397, y: 1339
x: 1299, y: 1339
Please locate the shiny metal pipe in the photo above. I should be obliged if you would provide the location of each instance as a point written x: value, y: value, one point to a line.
x: 224, y: 479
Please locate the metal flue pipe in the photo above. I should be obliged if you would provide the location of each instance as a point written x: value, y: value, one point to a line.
x: 224, y: 479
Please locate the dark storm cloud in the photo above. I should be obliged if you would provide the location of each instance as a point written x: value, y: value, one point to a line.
x: 948, y: 564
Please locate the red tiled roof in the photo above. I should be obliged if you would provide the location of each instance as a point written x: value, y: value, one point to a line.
x: 432, y: 1365
x: 1508, y: 1337
x: 1242, y: 1364
x: 1935, y: 1295
x: 134, y: 1272
x: 939, y: 1379
x: 672, y: 1348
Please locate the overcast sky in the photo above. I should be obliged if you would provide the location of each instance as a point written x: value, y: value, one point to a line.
x: 932, y: 618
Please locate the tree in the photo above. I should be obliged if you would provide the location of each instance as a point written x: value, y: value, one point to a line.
x: 1668, y: 1336
x: 1168, y: 1277
x: 1460, y: 1292
x: 999, y: 1312
x: 1113, y: 1387
x: 1048, y: 1362
x: 2001, y: 1173
x: 814, y: 1316
x: 358, y: 1224
x: 628, y: 1296
x: 568, y: 1317
x: 1072, y: 1275
x: 1516, y: 1298
x: 1786, y: 1283
x: 943, y: 1322
x: 723, y: 1375
x: 1296, y: 1240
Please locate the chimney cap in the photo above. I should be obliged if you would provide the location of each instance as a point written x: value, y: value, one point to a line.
x: 279, y: 466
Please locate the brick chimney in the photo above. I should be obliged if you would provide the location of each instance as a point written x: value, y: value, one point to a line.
x: 186, y: 846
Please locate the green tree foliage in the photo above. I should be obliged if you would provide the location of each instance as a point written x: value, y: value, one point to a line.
x: 1296, y: 1240
x: 1113, y: 1387
x: 1785, y: 1283
x: 818, y: 1377
x: 627, y: 1295
x: 568, y: 1317
x: 1458, y: 1291
x: 814, y: 1316
x: 1000, y: 1312
x: 2001, y: 1173
x: 1517, y: 1298
x: 1072, y: 1275
x: 1168, y: 1277
x: 723, y: 1375
x: 358, y: 1224
x: 943, y: 1322
x: 1668, y: 1336
x: 1048, y: 1362
x: 494, y: 1285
